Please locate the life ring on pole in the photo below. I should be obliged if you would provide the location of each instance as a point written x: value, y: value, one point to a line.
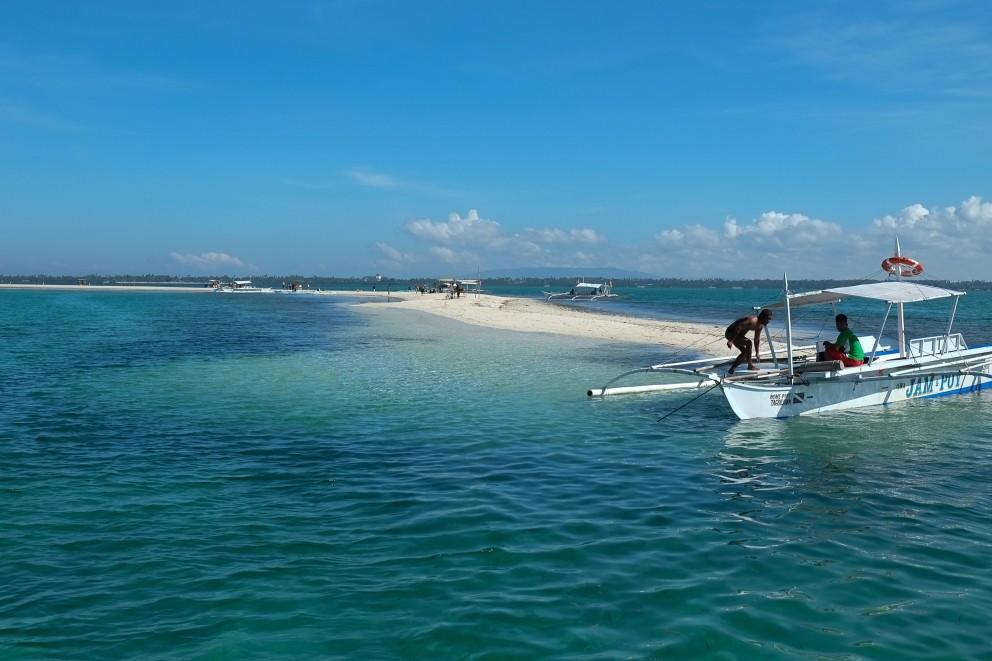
x: 902, y: 266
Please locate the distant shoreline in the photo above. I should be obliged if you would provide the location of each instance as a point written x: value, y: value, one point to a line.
x: 182, y: 288
x: 105, y: 287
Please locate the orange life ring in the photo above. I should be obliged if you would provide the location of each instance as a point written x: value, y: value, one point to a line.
x: 892, y: 265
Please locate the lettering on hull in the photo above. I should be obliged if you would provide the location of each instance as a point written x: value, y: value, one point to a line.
x: 786, y: 398
x: 933, y: 384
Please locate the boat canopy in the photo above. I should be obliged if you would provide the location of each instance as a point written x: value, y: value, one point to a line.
x: 590, y: 285
x: 890, y: 292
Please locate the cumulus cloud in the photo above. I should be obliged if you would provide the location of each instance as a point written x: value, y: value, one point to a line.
x: 773, y: 242
x: 457, y: 231
x: 973, y: 216
x: 738, y: 249
x: 807, y: 247
x: 471, y: 241
x: 973, y: 209
x: 762, y: 247
x: 954, y: 234
x: 206, y: 261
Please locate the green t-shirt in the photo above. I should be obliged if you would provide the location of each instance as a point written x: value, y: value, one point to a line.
x: 851, y: 344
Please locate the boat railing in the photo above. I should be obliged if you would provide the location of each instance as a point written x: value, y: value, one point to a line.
x: 937, y: 344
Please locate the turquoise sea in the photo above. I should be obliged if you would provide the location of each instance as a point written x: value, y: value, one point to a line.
x: 201, y: 476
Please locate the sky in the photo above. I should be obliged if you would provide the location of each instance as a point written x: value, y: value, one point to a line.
x: 431, y: 138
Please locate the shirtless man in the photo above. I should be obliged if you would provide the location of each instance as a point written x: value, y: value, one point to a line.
x: 737, y: 336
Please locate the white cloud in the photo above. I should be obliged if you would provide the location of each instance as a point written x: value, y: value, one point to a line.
x: 769, y: 243
x: 478, y: 233
x: 446, y: 255
x: 561, y: 237
x: 956, y: 236
x: 973, y: 209
x: 206, y: 261
x: 458, y: 231
x: 804, y: 247
x: 366, y: 177
x: 473, y: 241
x: 395, y: 255
x: 470, y: 242
x: 912, y: 217
x: 947, y: 239
x: 917, y: 46
x: 374, y: 180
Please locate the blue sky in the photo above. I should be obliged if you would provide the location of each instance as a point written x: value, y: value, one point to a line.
x: 436, y: 137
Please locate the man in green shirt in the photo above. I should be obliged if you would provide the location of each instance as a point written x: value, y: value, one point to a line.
x: 847, y: 349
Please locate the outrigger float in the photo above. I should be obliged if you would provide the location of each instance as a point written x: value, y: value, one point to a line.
x: 800, y: 384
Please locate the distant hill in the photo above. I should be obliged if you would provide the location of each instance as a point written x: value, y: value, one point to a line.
x: 567, y: 272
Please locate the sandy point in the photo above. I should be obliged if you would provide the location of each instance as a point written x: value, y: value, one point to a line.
x: 534, y: 315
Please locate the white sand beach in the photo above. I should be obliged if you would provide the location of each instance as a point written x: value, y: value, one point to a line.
x: 529, y: 315
x: 539, y: 316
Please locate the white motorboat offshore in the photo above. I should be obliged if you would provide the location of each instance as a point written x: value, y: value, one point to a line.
x: 801, y: 382
x: 242, y: 287
x: 584, y: 291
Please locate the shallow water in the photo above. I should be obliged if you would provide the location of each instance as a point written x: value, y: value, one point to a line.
x: 191, y: 476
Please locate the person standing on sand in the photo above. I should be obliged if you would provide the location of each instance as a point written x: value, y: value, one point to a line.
x: 736, y: 335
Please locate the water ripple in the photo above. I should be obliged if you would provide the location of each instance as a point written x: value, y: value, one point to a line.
x: 285, y: 498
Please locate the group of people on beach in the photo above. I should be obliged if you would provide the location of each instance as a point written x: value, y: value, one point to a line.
x: 847, y: 349
x: 454, y: 291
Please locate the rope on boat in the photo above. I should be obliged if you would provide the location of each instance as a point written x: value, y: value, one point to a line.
x: 687, y: 403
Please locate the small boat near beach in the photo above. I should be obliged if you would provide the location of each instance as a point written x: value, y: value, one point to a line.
x: 584, y: 291
x: 801, y: 382
x: 242, y: 287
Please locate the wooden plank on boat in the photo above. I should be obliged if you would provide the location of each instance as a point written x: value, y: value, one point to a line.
x: 821, y: 366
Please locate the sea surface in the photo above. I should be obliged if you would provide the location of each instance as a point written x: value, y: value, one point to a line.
x: 206, y: 476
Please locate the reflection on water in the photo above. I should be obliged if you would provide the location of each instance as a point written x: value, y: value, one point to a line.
x: 823, y: 478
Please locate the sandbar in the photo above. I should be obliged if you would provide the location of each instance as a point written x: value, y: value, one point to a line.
x: 526, y: 315
x: 533, y: 315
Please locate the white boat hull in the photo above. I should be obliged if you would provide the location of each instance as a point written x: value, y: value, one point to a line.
x: 808, y: 382
x: 763, y: 401
x: 245, y: 290
x: 855, y: 387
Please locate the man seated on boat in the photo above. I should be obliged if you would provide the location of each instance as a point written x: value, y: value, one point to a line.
x: 847, y: 349
x: 737, y: 336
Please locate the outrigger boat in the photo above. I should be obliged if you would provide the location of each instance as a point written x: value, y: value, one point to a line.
x: 584, y: 291
x: 242, y: 287
x: 800, y: 384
